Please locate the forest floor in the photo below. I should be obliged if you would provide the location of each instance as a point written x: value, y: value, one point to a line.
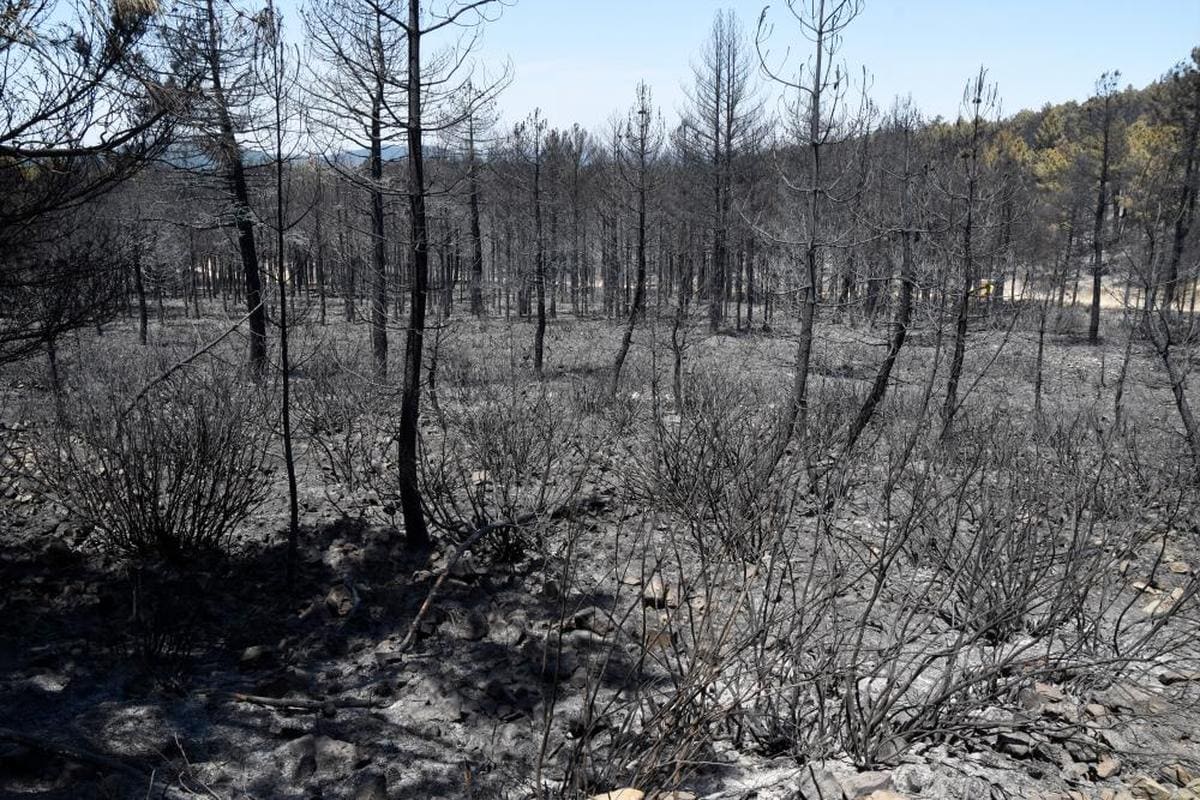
x: 611, y: 643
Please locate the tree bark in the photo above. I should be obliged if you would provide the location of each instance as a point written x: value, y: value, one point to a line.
x: 899, y: 333
x: 1098, y: 225
x: 796, y: 418
x: 379, y: 342
x: 415, y: 531
x: 140, y: 288
x: 962, y: 311
x: 539, y: 278
x: 639, y: 291
x: 278, y: 91
x: 1159, y: 331
x: 477, y: 307
x: 235, y: 176
x: 1185, y: 208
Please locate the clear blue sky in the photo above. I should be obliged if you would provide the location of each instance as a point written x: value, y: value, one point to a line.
x: 579, y: 60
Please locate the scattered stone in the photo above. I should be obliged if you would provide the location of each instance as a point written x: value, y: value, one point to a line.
x: 467, y: 567
x: 1015, y: 744
x: 374, y: 787
x: 388, y: 652
x: 1180, y: 567
x: 1096, y: 711
x: 304, y: 769
x: 864, y: 784
x: 1050, y: 692
x: 432, y: 621
x: 505, y: 633
x: 335, y: 757
x: 1051, y: 753
x: 1029, y: 700
x: 592, y: 619
x: 49, y: 682
x: 207, y: 773
x: 341, y: 600
x: 298, y: 758
x: 1172, y: 677
x: 818, y: 784
x: 916, y: 779
x: 257, y: 657
x: 469, y: 627
x: 1107, y: 767
x: 1113, y: 740
x: 1178, y: 774
x: 559, y: 666
x: 1131, y: 697
x: 1163, y: 605
x: 620, y: 794
x: 424, y: 701
x: 654, y: 593
x: 322, y: 756
x: 1080, y: 751
x: 1146, y: 788
x: 1065, y: 711
x: 1074, y: 773
x: 583, y: 638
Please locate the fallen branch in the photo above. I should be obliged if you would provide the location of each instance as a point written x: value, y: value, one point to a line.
x: 327, y: 706
x: 411, y: 636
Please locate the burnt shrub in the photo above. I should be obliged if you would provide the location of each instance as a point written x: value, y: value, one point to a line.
x: 168, y: 475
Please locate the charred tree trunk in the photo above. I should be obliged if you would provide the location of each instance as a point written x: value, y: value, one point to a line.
x: 899, y: 333
x: 639, y: 291
x: 539, y: 277
x: 1098, y: 223
x: 477, y: 307
x: 379, y: 310
x: 235, y: 177
x: 139, y: 287
x: 415, y: 531
x: 1185, y: 209
x: 962, y: 310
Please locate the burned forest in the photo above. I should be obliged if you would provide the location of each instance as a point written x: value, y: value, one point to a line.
x: 366, y: 434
